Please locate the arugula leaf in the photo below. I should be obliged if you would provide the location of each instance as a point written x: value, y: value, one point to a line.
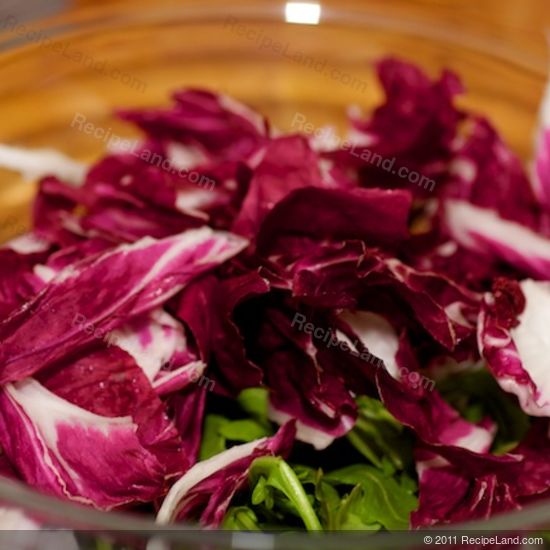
x: 307, y: 474
x: 379, y: 437
x: 243, y: 430
x: 383, y: 499
x: 329, y: 504
x: 272, y: 478
x: 376, y: 499
x: 241, y: 518
x: 347, y: 517
x: 281, y: 496
x: 218, y: 430
x: 476, y: 395
x: 326, y: 496
x: 212, y: 441
x: 255, y: 402
x: 336, y: 512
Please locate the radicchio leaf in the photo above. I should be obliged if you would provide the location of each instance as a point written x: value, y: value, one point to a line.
x: 134, y: 279
x: 512, y: 335
x: 67, y: 451
x: 205, y: 491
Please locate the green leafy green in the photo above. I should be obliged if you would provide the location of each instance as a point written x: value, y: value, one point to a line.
x: 336, y: 511
x: 272, y: 478
x: 243, y: 430
x: 241, y: 518
x: 379, y: 437
x: 218, y: 430
x: 329, y: 502
x: 476, y: 395
x: 376, y: 500
x: 381, y: 499
x: 358, y: 497
x: 346, y: 516
x: 290, y: 497
x: 212, y: 441
x: 255, y: 401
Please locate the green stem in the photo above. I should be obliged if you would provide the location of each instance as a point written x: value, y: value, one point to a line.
x: 281, y: 476
x: 244, y: 521
x: 361, y: 445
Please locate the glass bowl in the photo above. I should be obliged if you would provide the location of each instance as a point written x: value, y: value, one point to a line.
x: 88, y: 61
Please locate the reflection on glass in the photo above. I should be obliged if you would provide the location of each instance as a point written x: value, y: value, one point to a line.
x: 305, y: 13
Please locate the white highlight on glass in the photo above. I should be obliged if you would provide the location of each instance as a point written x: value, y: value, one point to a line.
x: 304, y: 13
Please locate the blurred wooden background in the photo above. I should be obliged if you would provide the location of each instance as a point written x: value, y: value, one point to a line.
x: 522, y: 23
x: 509, y: 99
